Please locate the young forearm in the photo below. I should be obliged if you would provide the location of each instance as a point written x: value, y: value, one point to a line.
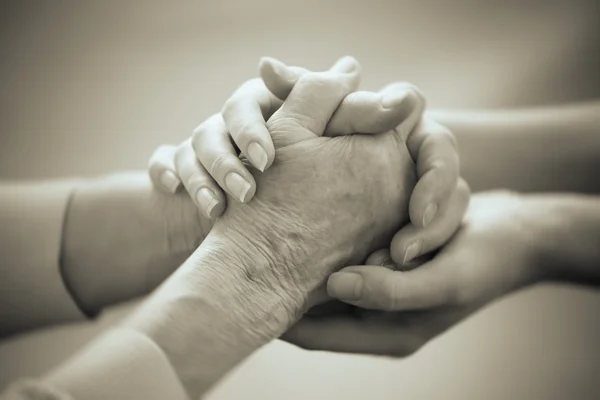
x: 545, y: 149
x: 121, y: 238
x: 571, y: 237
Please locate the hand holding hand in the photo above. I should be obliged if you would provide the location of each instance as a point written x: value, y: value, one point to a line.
x: 496, y: 251
x: 325, y: 200
x: 204, y: 162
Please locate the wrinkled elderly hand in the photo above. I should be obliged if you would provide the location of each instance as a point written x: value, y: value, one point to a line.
x: 325, y: 202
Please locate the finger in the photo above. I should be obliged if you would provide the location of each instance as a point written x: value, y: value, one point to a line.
x: 315, y: 97
x: 350, y: 335
x: 278, y: 77
x: 215, y: 152
x: 412, y: 242
x: 381, y: 257
x: 414, y: 103
x: 374, y: 287
x: 161, y: 168
x: 433, y: 148
x: 203, y: 190
x: 370, y: 112
x: 244, y: 115
x: 364, y: 112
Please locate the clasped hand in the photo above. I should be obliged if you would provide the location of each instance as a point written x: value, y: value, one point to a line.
x: 324, y: 202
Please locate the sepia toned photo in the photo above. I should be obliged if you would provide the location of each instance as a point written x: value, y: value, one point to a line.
x: 289, y: 200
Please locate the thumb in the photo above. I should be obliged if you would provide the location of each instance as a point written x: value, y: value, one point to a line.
x: 413, y: 105
x: 312, y: 102
x: 278, y: 77
x: 379, y: 288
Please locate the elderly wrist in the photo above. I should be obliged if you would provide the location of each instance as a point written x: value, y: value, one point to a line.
x: 210, y: 314
x: 268, y: 257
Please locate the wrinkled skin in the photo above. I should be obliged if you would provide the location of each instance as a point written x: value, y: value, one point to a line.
x: 326, y: 202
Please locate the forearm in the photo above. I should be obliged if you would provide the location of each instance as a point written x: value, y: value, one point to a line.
x: 570, y: 230
x: 212, y: 313
x: 546, y: 149
x: 121, y: 238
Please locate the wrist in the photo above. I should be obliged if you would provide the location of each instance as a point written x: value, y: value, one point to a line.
x: 211, y: 313
x: 570, y: 237
x: 539, y: 221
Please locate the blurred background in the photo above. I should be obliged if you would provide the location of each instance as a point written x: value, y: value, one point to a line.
x: 93, y: 87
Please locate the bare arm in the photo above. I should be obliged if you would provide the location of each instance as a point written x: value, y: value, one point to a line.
x: 545, y: 149
x: 66, y: 246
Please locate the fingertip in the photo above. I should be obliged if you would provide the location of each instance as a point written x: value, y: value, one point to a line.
x: 381, y: 257
x: 366, y: 286
x: 346, y: 64
x: 258, y: 156
x: 405, y: 238
x: 207, y: 202
x: 240, y: 187
x: 277, y: 77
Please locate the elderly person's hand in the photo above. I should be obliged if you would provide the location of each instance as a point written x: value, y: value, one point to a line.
x: 501, y: 247
x: 320, y: 196
x: 206, y: 160
x: 324, y: 203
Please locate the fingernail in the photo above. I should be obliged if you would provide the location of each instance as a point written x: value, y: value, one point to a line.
x: 169, y: 180
x: 394, y: 99
x: 429, y: 213
x: 237, y: 185
x: 207, y: 201
x: 258, y: 156
x: 345, y: 285
x: 412, y: 251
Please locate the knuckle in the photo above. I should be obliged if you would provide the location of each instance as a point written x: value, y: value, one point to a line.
x: 198, y: 137
x: 228, y: 109
x: 200, y: 130
x: 282, y: 124
x: 179, y: 155
x: 163, y: 149
x: 161, y: 155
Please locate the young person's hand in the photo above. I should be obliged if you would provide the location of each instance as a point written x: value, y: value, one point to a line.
x: 501, y: 247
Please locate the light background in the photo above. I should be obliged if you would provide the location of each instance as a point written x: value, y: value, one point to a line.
x: 92, y: 87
